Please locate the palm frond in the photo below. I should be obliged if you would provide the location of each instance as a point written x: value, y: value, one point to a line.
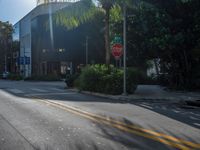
x: 76, y: 14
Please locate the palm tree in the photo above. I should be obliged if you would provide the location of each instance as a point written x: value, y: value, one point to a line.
x: 76, y: 14
x: 85, y: 10
x: 107, y: 5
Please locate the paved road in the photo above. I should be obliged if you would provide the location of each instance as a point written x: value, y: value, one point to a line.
x: 43, y: 115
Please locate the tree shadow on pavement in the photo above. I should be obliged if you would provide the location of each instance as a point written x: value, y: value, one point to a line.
x: 172, y: 110
x: 130, y: 140
x: 69, y: 146
x: 188, y: 116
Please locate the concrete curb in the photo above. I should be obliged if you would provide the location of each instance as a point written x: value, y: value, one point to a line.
x: 138, y: 98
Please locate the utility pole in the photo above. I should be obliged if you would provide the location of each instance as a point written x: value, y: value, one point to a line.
x: 5, y: 45
x: 5, y: 67
x: 124, y: 38
x: 86, y: 50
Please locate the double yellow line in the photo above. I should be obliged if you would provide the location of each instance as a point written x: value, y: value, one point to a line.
x: 150, y: 134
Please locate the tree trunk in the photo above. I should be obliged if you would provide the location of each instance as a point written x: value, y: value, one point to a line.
x: 187, y: 69
x: 107, y: 36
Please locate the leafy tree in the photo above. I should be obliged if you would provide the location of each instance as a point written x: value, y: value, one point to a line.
x: 168, y: 30
x: 5, y: 42
x: 76, y: 14
x: 177, y: 39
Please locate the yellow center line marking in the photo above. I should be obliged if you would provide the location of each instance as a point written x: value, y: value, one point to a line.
x: 168, y: 137
x: 160, y: 137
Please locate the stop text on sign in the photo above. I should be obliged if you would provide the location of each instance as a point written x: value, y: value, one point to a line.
x: 117, y: 50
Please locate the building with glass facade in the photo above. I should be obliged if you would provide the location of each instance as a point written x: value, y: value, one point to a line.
x: 28, y: 31
x: 48, y: 49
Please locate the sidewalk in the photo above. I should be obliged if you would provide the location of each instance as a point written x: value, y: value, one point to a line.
x: 153, y: 93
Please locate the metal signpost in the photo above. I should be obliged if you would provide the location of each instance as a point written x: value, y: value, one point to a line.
x: 124, y: 33
x: 117, y: 49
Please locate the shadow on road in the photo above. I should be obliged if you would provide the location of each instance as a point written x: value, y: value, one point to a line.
x: 78, y: 145
x: 172, y: 110
x: 132, y: 141
x: 190, y: 117
x: 117, y: 140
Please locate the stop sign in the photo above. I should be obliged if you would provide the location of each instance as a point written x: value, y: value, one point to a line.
x: 117, y: 50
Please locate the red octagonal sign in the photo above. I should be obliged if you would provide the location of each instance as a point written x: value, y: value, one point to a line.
x: 117, y: 50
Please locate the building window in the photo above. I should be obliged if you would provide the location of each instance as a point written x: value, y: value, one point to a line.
x: 63, y: 68
x: 44, y: 50
x: 61, y: 50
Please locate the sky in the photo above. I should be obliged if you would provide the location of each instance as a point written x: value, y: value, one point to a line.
x: 14, y: 10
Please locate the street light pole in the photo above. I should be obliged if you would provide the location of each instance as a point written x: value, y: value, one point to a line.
x: 5, y: 67
x: 24, y: 62
x: 124, y: 38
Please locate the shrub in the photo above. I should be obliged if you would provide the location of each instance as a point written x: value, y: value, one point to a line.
x: 133, y: 76
x: 89, y: 78
x: 107, y: 79
x: 113, y: 83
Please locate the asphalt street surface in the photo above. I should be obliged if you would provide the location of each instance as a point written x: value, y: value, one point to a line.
x: 45, y: 116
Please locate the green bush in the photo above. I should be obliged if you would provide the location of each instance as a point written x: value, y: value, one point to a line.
x: 106, y: 79
x: 15, y: 77
x: 133, y: 76
x: 113, y: 83
x: 89, y: 79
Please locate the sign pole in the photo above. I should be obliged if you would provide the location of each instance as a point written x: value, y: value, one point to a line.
x: 124, y: 38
